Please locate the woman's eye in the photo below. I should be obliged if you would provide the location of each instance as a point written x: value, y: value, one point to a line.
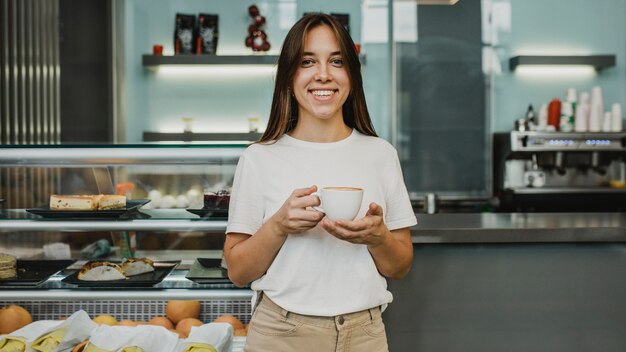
x: 337, y: 62
x: 307, y: 62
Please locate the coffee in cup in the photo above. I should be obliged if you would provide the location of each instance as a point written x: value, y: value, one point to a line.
x: 340, y: 203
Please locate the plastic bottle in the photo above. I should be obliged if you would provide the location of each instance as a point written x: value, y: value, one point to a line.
x: 616, y: 117
x: 581, y: 117
x: 571, y: 96
x: 566, y: 123
x: 554, y: 113
x: 596, y: 111
x: 607, y: 120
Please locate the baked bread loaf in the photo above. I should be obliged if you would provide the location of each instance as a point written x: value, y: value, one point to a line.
x: 137, y: 266
x: 87, y: 202
x: 8, y: 265
x: 100, y: 271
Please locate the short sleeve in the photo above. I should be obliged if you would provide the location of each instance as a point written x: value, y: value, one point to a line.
x: 245, y: 213
x: 399, y: 212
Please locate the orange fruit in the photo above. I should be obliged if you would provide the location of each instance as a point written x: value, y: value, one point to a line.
x: 161, y: 321
x: 13, y: 317
x: 236, y: 323
x: 176, y: 311
x: 184, y: 326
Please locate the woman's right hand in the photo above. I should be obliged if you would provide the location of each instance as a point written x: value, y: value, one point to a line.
x: 296, y: 215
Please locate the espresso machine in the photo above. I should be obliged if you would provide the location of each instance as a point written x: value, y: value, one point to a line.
x: 559, y: 171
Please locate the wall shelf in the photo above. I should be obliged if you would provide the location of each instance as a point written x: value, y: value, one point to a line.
x: 157, y: 60
x: 160, y: 60
x: 597, y: 61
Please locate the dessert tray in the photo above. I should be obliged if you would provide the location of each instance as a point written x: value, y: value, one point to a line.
x: 35, y: 272
x: 212, y: 273
x: 210, y: 213
x: 46, y: 212
x: 161, y: 270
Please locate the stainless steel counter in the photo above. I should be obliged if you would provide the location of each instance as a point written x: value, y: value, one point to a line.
x: 431, y: 228
x: 519, y: 227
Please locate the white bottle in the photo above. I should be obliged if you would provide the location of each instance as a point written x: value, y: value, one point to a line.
x: 616, y: 117
x: 581, y: 118
x: 607, y: 121
x: 596, y: 96
x: 596, y: 113
x: 585, y: 98
x: 571, y: 95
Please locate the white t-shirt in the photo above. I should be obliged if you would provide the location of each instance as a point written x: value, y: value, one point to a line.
x: 315, y: 273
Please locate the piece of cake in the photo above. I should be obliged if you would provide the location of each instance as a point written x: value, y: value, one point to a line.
x: 8, y: 265
x: 112, y: 201
x: 100, y: 271
x: 74, y: 202
x: 137, y: 266
x: 216, y: 201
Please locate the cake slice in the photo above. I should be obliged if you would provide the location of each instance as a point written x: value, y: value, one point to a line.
x: 137, y: 266
x: 8, y: 265
x: 112, y: 201
x: 82, y: 202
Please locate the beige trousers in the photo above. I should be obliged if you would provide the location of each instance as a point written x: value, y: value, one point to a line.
x: 273, y: 329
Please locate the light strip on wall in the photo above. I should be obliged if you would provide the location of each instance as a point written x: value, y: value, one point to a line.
x: 215, y: 71
x: 556, y: 72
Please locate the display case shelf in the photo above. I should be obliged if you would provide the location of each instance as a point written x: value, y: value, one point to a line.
x: 198, y: 136
x: 88, y: 155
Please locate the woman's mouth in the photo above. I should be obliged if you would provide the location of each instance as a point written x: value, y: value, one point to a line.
x: 323, y: 92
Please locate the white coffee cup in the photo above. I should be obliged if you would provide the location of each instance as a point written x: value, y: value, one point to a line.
x: 340, y: 203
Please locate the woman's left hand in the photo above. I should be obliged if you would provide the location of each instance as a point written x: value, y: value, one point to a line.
x: 369, y: 230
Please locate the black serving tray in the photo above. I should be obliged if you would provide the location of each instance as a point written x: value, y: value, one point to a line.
x: 210, y: 213
x: 207, y: 275
x: 161, y: 270
x: 210, y: 262
x: 35, y: 272
x: 46, y: 212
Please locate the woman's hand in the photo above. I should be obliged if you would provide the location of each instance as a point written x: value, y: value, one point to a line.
x: 248, y: 257
x: 295, y: 215
x: 392, y: 251
x: 369, y: 230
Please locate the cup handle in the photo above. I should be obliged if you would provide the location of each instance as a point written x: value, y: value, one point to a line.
x: 319, y: 207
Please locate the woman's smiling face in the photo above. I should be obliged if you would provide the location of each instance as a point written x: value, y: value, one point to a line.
x: 321, y: 84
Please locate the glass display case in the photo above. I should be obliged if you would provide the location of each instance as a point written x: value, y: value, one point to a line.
x: 164, y: 220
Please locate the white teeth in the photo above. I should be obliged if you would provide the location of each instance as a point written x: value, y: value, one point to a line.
x: 322, y: 92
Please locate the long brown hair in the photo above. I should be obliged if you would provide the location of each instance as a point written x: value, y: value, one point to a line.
x: 284, y: 111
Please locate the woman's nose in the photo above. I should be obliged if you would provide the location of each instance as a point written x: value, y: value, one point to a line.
x: 323, y: 74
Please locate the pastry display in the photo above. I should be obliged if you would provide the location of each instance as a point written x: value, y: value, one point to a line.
x: 101, y: 271
x: 8, y: 265
x: 87, y: 202
x: 137, y: 266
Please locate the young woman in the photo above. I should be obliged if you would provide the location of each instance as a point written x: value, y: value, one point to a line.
x: 319, y: 284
